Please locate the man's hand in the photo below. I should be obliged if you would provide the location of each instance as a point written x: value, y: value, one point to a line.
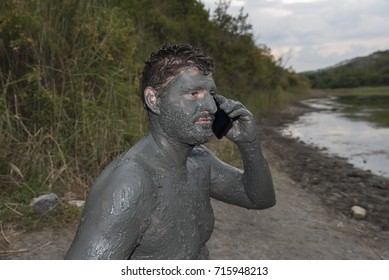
x: 243, y: 127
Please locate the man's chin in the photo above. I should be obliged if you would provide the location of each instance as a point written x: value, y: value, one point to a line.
x: 201, y: 136
x: 205, y: 138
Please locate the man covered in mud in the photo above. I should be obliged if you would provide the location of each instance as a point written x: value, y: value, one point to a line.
x: 153, y: 202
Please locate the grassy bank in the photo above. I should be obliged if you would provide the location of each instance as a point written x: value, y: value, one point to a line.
x: 366, y: 103
x: 359, y: 91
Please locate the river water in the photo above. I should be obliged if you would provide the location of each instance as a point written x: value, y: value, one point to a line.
x: 364, y: 144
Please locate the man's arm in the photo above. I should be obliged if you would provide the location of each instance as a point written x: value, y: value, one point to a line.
x: 253, y: 187
x: 114, y: 217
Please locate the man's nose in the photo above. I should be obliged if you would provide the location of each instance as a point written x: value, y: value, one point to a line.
x: 209, y: 104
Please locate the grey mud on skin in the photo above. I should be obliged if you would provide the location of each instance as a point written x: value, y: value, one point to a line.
x: 153, y: 201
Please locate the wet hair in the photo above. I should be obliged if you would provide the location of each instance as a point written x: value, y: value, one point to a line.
x: 164, y: 64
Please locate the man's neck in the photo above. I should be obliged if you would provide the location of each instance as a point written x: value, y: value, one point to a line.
x: 172, y: 149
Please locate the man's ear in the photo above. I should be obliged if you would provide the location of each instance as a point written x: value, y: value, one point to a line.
x: 151, y: 100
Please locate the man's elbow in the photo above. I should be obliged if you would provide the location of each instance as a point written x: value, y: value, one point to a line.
x: 264, y: 204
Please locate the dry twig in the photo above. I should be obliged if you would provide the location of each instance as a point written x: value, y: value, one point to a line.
x: 9, y: 252
x: 41, y: 247
x: 13, y: 210
x: 2, y: 233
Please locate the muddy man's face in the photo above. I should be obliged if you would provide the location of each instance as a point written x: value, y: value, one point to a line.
x: 187, y: 107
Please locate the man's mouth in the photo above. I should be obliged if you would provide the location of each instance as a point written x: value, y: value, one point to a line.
x: 204, y: 120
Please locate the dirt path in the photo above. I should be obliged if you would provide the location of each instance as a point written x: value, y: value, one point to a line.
x: 299, y: 227
x: 310, y: 221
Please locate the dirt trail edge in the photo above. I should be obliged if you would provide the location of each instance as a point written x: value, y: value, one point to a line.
x: 310, y: 221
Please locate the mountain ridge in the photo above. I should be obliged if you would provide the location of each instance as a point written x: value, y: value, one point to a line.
x: 370, y: 70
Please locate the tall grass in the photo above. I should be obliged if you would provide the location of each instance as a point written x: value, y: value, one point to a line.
x: 273, y: 100
x: 68, y: 99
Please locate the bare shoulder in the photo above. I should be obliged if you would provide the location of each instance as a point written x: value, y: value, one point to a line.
x: 123, y: 184
x: 120, y: 199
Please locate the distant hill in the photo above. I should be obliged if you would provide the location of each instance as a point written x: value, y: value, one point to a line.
x: 371, y: 70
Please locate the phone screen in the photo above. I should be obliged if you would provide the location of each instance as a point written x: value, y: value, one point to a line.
x: 222, y: 123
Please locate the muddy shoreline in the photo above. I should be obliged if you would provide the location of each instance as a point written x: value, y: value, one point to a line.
x: 338, y: 183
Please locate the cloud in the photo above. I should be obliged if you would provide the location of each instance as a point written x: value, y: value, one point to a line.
x: 296, y: 1
x: 237, y: 3
x: 317, y: 33
x: 275, y: 12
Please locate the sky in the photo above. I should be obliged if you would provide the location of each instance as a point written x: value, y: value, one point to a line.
x: 314, y: 34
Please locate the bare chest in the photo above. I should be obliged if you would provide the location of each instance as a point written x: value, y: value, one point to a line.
x: 182, y: 220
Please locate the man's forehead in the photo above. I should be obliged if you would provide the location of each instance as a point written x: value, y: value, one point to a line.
x: 194, y: 74
x: 191, y: 77
x: 193, y: 70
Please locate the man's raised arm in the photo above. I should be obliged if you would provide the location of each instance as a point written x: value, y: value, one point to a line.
x: 252, y: 188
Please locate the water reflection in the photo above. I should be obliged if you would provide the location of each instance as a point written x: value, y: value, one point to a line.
x: 366, y: 146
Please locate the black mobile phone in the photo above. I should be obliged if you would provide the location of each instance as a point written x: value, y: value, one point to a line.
x: 222, y: 123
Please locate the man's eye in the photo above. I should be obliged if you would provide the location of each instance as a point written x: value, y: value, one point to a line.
x: 197, y: 93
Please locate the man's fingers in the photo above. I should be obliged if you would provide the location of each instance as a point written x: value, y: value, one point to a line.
x: 229, y: 106
x: 234, y: 109
x: 241, y: 113
x: 220, y: 99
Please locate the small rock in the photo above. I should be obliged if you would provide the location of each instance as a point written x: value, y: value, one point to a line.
x: 45, y: 203
x: 69, y: 196
x: 77, y: 203
x: 315, y: 180
x: 358, y: 212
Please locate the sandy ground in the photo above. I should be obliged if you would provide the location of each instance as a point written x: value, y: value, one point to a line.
x: 299, y: 227
x: 310, y: 221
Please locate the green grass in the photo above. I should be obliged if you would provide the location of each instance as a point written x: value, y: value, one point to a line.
x: 21, y: 215
x: 360, y: 91
x: 380, y: 118
x: 273, y: 100
x: 373, y: 100
x: 226, y: 150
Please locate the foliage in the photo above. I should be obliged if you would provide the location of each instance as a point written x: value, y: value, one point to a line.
x: 372, y: 70
x: 69, y: 80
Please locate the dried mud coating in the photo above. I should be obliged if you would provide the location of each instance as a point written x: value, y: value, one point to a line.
x: 153, y: 202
